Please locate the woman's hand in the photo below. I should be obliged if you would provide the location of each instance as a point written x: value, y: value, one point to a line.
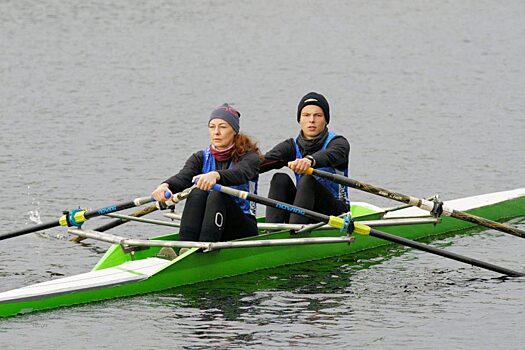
x: 300, y: 166
x: 206, y: 181
x: 158, y: 194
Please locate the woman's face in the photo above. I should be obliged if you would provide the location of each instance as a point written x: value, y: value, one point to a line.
x: 221, y: 133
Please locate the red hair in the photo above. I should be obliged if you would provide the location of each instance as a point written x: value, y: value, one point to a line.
x: 243, y: 144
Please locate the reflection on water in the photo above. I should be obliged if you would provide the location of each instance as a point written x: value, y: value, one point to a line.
x: 302, y: 305
x: 102, y: 101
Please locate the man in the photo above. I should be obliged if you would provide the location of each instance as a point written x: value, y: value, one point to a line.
x: 314, y: 147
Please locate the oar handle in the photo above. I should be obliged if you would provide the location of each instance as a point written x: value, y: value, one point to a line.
x: 175, y: 198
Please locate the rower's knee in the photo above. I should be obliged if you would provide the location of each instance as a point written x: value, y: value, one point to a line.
x: 197, y: 195
x: 280, y: 180
x: 214, y: 198
x: 306, y: 183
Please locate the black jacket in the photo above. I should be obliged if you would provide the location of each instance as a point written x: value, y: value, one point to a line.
x: 336, y: 155
x: 246, y: 169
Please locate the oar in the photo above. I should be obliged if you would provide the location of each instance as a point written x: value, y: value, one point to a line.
x: 435, y: 208
x: 312, y: 227
x: 176, y: 198
x: 118, y: 222
x: 77, y: 216
x: 359, y: 228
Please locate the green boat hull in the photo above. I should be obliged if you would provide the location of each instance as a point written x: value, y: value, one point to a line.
x: 196, y: 266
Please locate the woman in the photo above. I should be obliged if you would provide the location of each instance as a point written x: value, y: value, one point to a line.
x: 232, y: 159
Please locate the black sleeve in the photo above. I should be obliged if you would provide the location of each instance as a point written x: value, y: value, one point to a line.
x: 246, y: 169
x: 182, y: 179
x: 279, y: 156
x: 336, y: 154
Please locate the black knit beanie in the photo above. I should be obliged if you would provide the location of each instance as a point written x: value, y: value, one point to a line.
x: 313, y: 98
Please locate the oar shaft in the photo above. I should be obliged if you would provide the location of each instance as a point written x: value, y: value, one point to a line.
x: 331, y: 220
x: 443, y: 253
x: 30, y: 229
x: 417, y: 202
x: 486, y: 222
x: 77, y: 217
x: 120, y: 221
x: 176, y: 198
x: 118, y: 207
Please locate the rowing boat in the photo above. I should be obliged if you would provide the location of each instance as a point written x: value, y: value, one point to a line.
x: 132, y: 267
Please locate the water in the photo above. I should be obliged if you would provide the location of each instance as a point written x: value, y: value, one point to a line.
x: 103, y: 100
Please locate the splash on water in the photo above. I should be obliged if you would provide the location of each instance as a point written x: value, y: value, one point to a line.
x: 34, y: 216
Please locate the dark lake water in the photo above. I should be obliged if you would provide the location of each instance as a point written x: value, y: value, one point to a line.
x: 100, y: 101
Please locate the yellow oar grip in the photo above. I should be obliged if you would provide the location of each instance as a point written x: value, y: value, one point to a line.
x: 361, y: 229
x: 62, y: 221
x: 79, y: 216
x: 336, y: 222
x: 308, y: 172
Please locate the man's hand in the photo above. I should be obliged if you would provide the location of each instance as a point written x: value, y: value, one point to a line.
x: 300, y: 166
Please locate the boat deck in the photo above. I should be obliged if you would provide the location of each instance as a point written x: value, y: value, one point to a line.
x: 131, y: 271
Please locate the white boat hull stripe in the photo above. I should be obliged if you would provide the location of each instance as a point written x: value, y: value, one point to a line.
x: 131, y: 271
x: 462, y: 204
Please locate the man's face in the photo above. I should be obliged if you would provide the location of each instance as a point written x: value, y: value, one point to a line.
x: 312, y: 121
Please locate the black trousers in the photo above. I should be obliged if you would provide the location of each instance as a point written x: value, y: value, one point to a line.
x: 309, y: 194
x: 214, y: 216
